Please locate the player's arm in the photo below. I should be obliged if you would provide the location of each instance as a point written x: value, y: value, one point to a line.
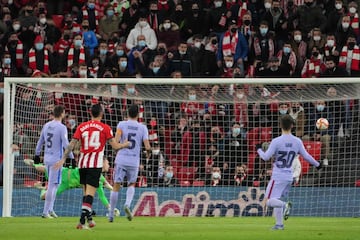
x: 67, y: 151
x: 39, y: 145
x: 309, y: 158
x: 115, y: 141
x: 269, y: 152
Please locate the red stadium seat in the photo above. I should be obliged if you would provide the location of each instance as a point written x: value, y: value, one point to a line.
x: 314, y: 148
x: 185, y: 174
x: 258, y: 135
x: 185, y: 183
x: 357, y: 183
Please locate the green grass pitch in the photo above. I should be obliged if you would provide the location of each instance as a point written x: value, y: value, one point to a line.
x: 174, y: 228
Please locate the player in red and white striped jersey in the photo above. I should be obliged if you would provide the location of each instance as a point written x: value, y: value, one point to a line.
x: 93, y: 136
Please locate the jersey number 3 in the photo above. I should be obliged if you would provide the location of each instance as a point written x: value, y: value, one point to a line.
x: 285, y: 159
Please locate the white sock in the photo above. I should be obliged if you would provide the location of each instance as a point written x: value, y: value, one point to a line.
x: 278, y: 216
x: 129, y: 195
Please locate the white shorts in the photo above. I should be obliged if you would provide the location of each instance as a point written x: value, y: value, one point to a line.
x: 120, y: 172
x: 278, y: 189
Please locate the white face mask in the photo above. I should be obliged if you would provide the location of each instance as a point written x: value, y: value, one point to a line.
x: 216, y: 175
x: 345, y: 24
x: 16, y: 27
x: 197, y: 44
x: 142, y: 23
x: 229, y: 64
x: 167, y: 26
x: 267, y: 5
x: 297, y: 38
x: 330, y: 43
x: 42, y: 20
x: 83, y: 72
x: 316, y: 38
x: 338, y: 6
x: 352, y: 10
x: 218, y: 4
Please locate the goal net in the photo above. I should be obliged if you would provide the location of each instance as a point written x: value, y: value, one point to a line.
x: 203, y: 134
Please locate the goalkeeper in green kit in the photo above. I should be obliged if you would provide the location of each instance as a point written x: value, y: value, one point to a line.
x: 71, y: 179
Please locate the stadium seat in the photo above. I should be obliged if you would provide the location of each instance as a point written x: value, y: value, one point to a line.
x: 258, y: 135
x: 357, y: 183
x: 314, y: 148
x: 185, y: 183
x: 185, y: 174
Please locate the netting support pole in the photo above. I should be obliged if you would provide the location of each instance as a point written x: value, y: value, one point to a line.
x: 8, y: 156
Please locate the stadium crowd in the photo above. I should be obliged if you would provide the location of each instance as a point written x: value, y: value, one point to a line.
x: 174, y: 38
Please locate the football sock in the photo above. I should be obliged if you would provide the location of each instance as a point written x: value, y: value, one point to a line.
x: 278, y: 212
x: 129, y: 195
x: 113, y: 200
x: 86, y: 208
x: 49, y: 198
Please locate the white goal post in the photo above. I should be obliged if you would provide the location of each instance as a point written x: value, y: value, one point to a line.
x: 161, y: 89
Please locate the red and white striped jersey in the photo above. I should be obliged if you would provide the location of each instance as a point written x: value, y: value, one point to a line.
x: 93, y: 136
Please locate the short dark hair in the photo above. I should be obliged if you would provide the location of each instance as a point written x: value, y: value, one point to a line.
x: 96, y: 110
x: 58, y: 110
x: 133, y: 111
x: 286, y: 122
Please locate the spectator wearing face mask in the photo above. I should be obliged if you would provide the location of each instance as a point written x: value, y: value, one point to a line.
x: 232, y: 42
x: 142, y: 28
x: 263, y: 46
x: 287, y: 57
x: 343, y: 31
x: 313, y: 66
x: 76, y: 53
x: 90, y: 12
x: 39, y: 58
x: 317, y: 39
x: 319, y: 109
x: 8, y: 68
x: 335, y: 14
x: 299, y: 47
x: 89, y: 36
x: 168, y: 179
x: 109, y: 23
x: 168, y: 33
x: 330, y: 48
x: 181, y: 60
x: 209, y: 65
x: 218, y: 17
x: 354, y: 17
x: 194, y: 23
x: 141, y: 52
x: 350, y: 57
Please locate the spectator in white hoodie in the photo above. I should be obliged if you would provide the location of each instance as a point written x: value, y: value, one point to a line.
x: 142, y: 28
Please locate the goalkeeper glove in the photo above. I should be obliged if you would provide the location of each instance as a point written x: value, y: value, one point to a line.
x: 257, y: 146
x: 320, y: 166
x: 36, y: 159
